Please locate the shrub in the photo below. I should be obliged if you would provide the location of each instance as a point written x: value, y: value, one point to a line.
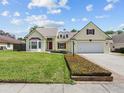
x: 82, y: 67
x: 121, y: 50
x: 63, y: 52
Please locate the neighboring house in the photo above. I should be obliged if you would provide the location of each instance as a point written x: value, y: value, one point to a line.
x: 90, y: 39
x: 7, y: 43
x: 118, y: 41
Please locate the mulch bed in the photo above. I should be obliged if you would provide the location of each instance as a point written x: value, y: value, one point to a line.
x: 80, y: 66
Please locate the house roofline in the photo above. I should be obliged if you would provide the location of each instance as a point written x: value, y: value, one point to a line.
x: 87, y: 25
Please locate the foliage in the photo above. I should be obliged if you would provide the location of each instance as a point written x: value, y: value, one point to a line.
x: 119, y: 31
x: 82, y: 67
x: 73, y: 30
x: 121, y: 50
x: 109, y: 32
x: 112, y: 32
x: 3, y: 33
x: 22, y: 39
x: 33, y: 28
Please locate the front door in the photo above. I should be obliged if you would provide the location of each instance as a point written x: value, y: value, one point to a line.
x: 50, y: 45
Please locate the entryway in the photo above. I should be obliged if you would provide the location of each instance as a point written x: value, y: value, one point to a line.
x: 49, y: 44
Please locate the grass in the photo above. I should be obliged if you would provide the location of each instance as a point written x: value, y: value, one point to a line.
x: 82, y: 67
x: 33, y: 67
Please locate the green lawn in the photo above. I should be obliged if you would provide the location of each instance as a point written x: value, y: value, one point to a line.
x: 33, y: 67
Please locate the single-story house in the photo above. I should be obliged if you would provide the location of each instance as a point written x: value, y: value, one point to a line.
x: 90, y: 39
x: 7, y: 43
x: 118, y: 41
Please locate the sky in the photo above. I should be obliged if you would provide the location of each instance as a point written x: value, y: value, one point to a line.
x: 17, y: 16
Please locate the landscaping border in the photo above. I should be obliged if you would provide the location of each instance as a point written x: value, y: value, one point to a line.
x: 100, y: 76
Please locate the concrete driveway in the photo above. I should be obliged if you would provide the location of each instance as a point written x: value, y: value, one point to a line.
x: 112, y: 62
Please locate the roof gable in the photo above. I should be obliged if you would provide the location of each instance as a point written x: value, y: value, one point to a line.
x: 35, y: 34
x: 44, y: 32
x: 99, y: 34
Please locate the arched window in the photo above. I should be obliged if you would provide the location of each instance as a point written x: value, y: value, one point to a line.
x: 60, y: 35
x: 34, y: 43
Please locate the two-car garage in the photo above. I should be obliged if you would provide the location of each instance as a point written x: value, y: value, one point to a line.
x: 91, y: 39
x: 90, y: 47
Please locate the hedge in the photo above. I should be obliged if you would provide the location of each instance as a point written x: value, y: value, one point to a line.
x: 121, y: 50
x: 82, y: 67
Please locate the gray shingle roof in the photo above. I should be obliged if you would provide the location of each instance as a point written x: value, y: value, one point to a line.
x: 118, y: 38
x: 48, y: 32
x: 6, y: 39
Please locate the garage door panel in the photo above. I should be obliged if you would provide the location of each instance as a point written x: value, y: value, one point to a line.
x: 90, y: 47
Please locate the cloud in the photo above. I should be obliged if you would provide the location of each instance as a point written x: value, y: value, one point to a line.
x: 16, y: 14
x: 54, y: 11
x: 112, y: 1
x: 119, y: 27
x: 73, y: 19
x: 101, y: 17
x: 5, y: 13
x: 4, y: 2
x: 63, y: 2
x: 42, y: 20
x: 16, y: 21
x: 27, y: 13
x: 89, y: 7
x: 84, y: 19
x: 47, y: 3
x: 53, y: 6
x: 78, y: 20
x: 109, y: 7
x: 41, y: 3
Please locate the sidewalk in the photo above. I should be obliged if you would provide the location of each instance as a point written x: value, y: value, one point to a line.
x: 84, y: 87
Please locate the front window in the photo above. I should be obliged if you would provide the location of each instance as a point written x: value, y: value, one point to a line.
x: 90, y: 31
x: 60, y: 36
x: 8, y: 45
x: 34, y: 45
x: 66, y: 35
x: 39, y: 44
x: 61, y: 45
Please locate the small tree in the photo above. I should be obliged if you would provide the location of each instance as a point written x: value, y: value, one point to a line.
x: 73, y: 30
x: 120, y: 31
x: 22, y: 39
x: 109, y: 32
x: 33, y: 28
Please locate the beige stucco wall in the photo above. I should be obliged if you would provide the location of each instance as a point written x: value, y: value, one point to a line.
x: 98, y: 37
x: 82, y: 35
x: 43, y: 41
x: 54, y: 43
